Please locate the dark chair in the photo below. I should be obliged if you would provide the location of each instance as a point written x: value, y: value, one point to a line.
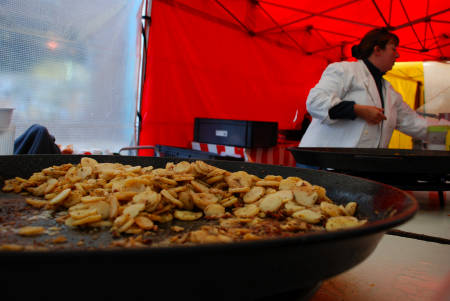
x: 36, y: 140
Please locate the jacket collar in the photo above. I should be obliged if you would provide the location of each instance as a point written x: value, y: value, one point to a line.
x: 369, y: 83
x: 376, y: 73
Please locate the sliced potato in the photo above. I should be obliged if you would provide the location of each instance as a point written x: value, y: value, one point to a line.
x: 31, y: 231
x: 250, y: 210
x: 308, y: 216
x: 342, y: 222
x: 255, y: 193
x: 185, y: 215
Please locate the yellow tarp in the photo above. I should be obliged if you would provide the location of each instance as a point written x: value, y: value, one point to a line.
x: 407, y: 79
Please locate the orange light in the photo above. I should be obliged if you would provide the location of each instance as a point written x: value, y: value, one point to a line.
x: 52, y: 45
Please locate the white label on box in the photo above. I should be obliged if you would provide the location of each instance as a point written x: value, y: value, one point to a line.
x: 221, y: 133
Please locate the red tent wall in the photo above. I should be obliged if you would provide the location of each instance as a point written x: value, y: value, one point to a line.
x: 258, y: 59
x: 198, y: 67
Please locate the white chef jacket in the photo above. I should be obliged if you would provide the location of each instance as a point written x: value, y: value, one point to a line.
x: 352, y: 81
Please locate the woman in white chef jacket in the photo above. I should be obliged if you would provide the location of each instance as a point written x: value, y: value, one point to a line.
x: 353, y: 106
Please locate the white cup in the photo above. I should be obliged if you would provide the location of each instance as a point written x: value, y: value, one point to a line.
x: 5, y: 118
x: 7, y: 140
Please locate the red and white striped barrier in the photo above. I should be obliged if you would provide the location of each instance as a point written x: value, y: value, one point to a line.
x: 223, y: 150
x: 277, y: 155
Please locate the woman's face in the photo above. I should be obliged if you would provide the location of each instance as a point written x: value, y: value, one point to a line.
x: 386, y: 57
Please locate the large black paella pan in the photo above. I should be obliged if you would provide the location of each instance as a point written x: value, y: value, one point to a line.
x: 231, y: 271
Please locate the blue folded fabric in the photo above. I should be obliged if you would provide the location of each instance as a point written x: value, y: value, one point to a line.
x: 36, y: 140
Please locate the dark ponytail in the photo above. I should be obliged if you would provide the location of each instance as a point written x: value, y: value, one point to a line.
x: 376, y: 37
x: 355, y: 52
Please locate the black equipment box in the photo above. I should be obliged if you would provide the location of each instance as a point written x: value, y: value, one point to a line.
x: 241, y: 133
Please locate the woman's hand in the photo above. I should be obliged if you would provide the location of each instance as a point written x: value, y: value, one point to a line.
x: 371, y: 114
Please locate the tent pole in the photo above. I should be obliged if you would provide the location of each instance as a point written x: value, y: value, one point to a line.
x: 390, y: 12
x: 145, y: 34
x: 426, y: 25
x: 429, y: 17
x: 440, y: 21
x: 313, y: 14
x: 282, y: 30
x: 380, y: 13
x: 252, y: 33
x: 412, y: 27
x: 437, y: 41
